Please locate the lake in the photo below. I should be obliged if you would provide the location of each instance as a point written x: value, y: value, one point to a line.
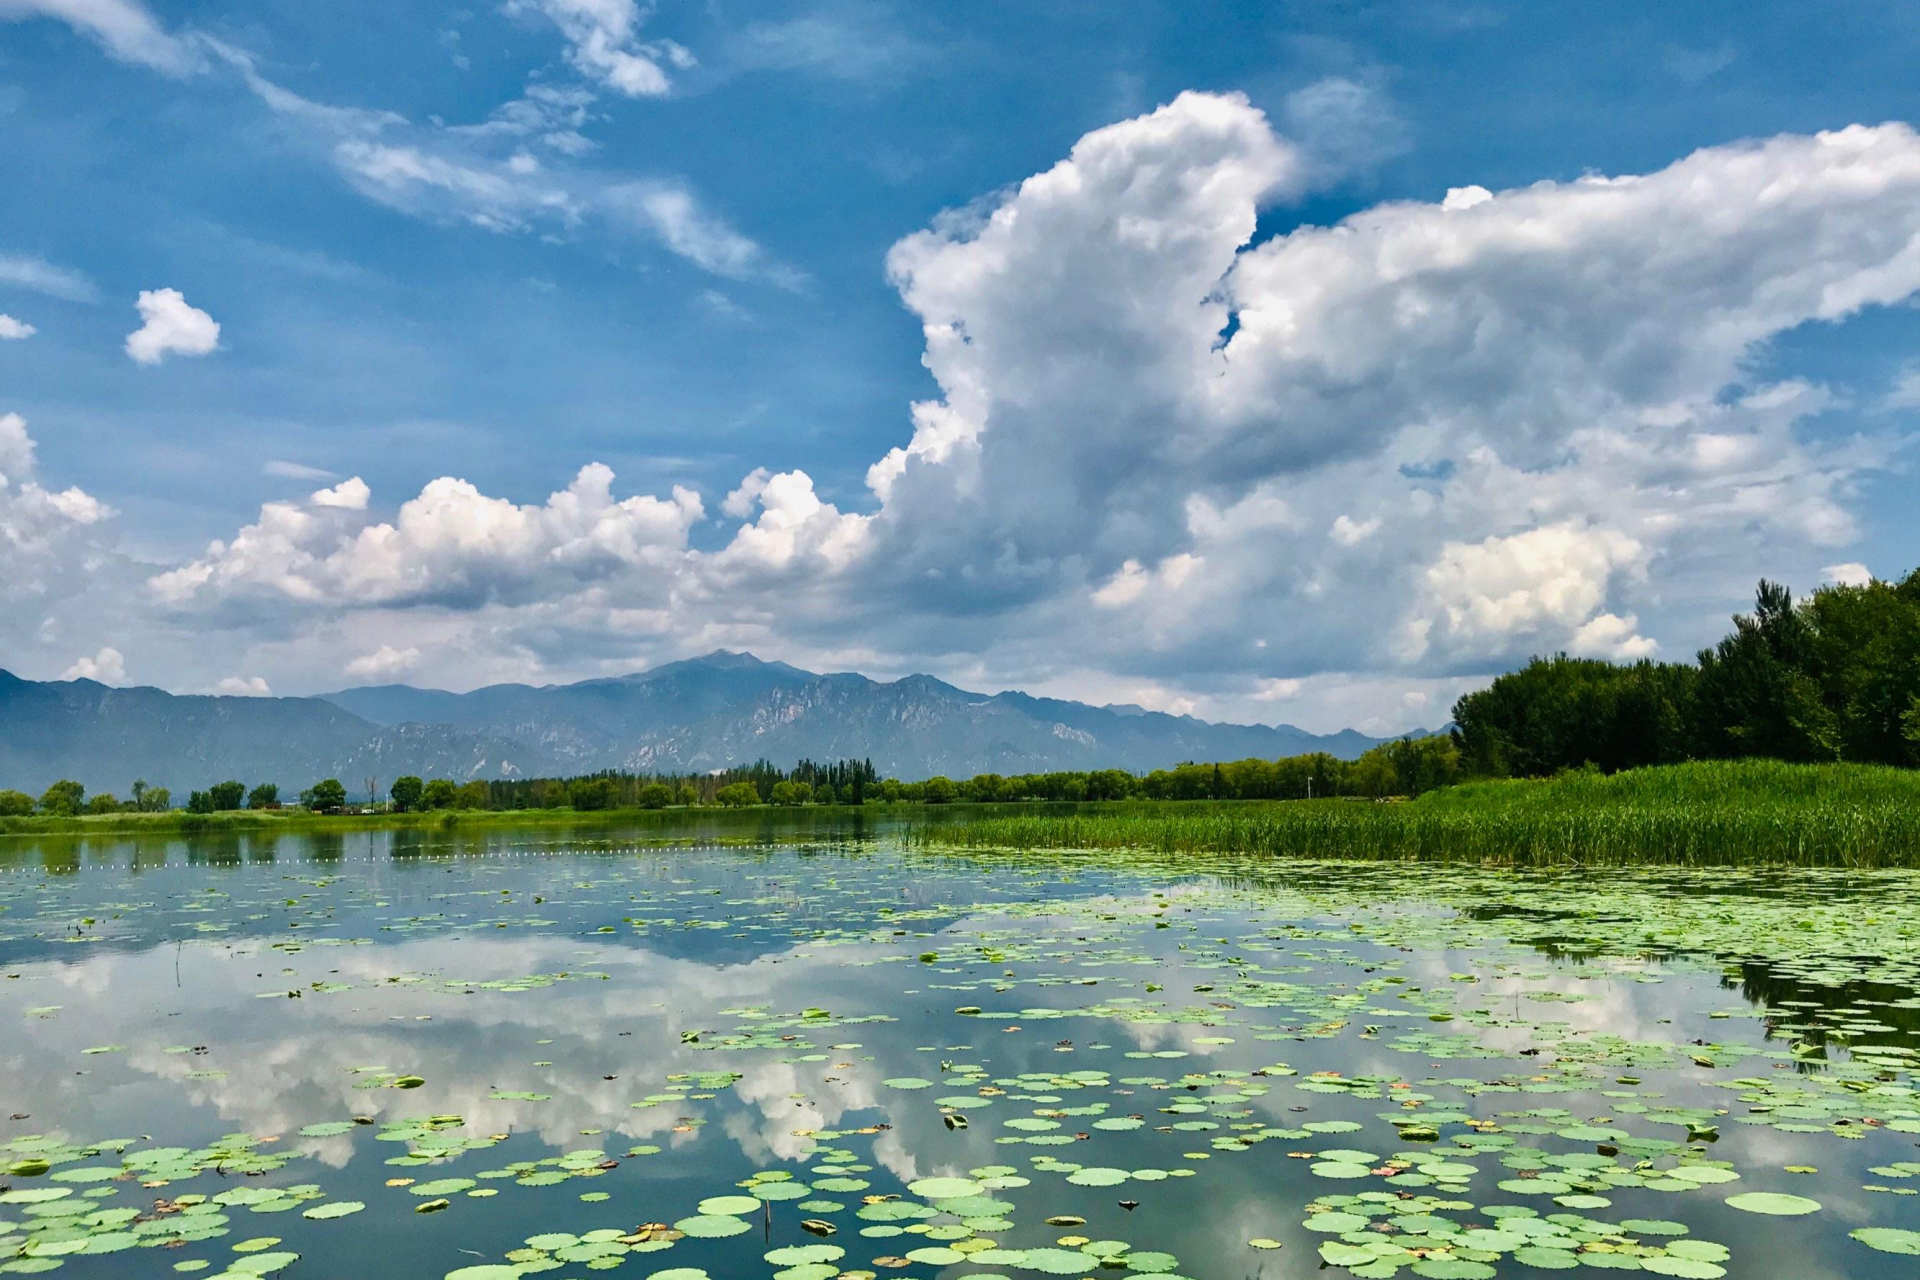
x: 561, y: 1051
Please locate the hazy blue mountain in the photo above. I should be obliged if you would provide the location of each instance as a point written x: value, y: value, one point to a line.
x: 107, y: 737
x: 730, y: 708
x: 703, y: 713
x: 595, y: 724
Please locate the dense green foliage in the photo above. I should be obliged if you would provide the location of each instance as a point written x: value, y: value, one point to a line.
x: 325, y: 796
x: 1835, y: 677
x: 838, y: 782
x: 63, y: 799
x: 1710, y: 813
x: 1408, y: 766
x: 406, y: 792
x: 221, y: 797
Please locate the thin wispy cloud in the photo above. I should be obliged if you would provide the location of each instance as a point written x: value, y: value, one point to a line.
x: 40, y: 276
x: 517, y: 172
x: 124, y: 28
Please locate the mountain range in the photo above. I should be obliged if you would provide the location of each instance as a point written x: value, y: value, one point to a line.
x: 690, y: 716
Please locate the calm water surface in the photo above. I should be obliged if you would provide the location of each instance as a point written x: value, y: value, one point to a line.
x: 268, y: 1056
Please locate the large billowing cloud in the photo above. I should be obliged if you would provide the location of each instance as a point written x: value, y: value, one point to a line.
x: 1418, y: 444
x: 1437, y: 434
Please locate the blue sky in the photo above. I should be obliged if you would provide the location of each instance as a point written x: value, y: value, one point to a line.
x: 699, y: 243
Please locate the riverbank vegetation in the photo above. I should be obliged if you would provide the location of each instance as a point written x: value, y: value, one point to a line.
x: 1714, y: 813
x: 1834, y: 677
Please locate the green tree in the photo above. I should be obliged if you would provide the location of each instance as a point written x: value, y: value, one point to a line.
x: 264, y: 796
x: 1422, y: 764
x: 592, y: 793
x: 327, y: 796
x: 689, y: 795
x: 227, y: 795
x: 939, y: 789
x: 1560, y: 713
x: 15, y: 804
x: 156, y: 800
x: 655, y: 795
x: 406, y: 792
x: 104, y: 802
x: 438, y: 794
x: 1373, y: 774
x: 1866, y: 660
x: 737, y: 795
x: 199, y: 802
x: 63, y: 799
x: 1760, y: 692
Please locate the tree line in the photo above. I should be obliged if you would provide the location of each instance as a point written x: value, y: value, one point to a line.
x: 1404, y: 767
x: 1832, y: 677
x: 69, y: 799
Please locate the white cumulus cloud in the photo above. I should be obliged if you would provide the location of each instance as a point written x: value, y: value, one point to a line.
x: 385, y: 662
x: 47, y: 537
x: 170, y: 325
x: 12, y: 329
x: 1540, y: 585
x: 348, y: 495
x: 450, y: 544
x: 1544, y: 396
x: 107, y: 666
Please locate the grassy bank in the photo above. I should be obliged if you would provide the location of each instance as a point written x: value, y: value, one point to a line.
x: 1729, y: 813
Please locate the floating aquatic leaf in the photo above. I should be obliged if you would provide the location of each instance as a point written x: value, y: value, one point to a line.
x: 733, y: 1205
x: 1889, y: 1240
x: 1773, y: 1203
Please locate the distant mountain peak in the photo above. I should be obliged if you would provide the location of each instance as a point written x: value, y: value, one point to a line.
x: 718, y: 660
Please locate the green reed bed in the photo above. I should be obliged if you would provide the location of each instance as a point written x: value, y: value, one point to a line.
x: 1715, y: 813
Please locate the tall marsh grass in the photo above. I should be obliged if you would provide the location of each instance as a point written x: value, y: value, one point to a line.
x: 1715, y: 813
